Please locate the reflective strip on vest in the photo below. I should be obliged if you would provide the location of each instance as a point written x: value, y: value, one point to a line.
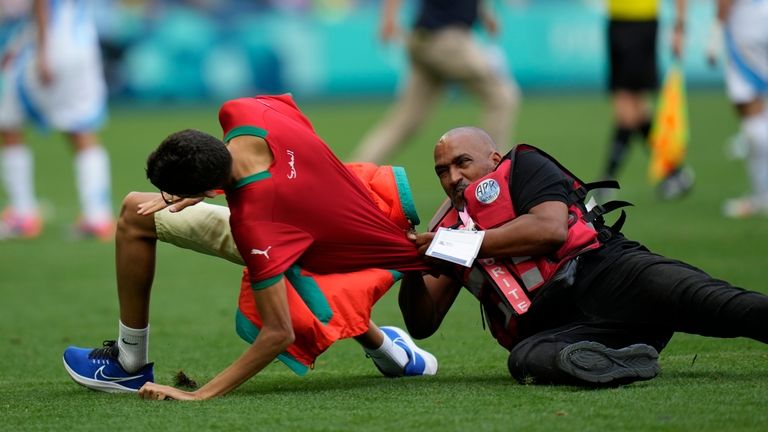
x: 529, y: 272
x: 532, y: 278
x: 508, y: 285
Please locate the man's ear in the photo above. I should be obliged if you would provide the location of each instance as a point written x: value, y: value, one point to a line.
x: 496, y: 158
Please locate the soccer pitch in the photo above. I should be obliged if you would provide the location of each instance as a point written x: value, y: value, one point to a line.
x: 55, y: 292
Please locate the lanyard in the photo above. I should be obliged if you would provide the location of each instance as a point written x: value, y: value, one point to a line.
x: 469, y: 224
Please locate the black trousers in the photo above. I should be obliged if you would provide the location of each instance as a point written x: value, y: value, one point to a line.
x: 639, y: 297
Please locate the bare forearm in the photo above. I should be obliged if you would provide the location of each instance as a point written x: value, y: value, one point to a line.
x: 275, y: 336
x: 424, y: 301
x: 263, y: 351
x: 416, y: 305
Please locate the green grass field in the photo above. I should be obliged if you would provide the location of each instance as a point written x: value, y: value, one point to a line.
x: 55, y: 292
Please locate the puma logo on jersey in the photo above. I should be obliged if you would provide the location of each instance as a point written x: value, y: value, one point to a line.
x: 264, y: 252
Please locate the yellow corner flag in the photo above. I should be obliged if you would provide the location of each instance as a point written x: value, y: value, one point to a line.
x: 669, y: 132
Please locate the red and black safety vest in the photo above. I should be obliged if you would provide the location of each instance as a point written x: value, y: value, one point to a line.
x: 506, y: 286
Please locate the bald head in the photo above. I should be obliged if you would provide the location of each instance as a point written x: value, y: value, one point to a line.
x: 463, y: 155
x: 470, y: 138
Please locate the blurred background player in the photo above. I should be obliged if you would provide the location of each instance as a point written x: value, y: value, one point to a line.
x: 442, y: 49
x: 16, y: 159
x: 746, y: 75
x: 633, y: 75
x: 52, y: 74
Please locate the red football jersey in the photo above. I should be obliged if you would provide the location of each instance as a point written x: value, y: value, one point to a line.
x: 308, y: 208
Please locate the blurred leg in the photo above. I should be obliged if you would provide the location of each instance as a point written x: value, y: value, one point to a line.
x: 461, y: 58
x: 746, y: 76
x: 92, y: 173
x: 755, y: 127
x: 404, y: 117
x: 631, y: 115
x: 633, y: 75
x: 18, y: 174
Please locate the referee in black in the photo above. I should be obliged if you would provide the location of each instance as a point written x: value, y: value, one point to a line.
x: 633, y: 76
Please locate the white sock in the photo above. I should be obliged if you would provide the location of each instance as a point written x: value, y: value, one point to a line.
x: 756, y: 130
x: 18, y: 179
x: 93, y: 184
x: 134, y: 347
x: 389, y: 357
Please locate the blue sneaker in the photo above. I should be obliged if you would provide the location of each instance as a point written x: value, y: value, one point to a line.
x: 420, y: 362
x: 98, y: 369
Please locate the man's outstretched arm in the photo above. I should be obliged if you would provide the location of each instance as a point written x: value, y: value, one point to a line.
x: 275, y: 336
x: 424, y: 301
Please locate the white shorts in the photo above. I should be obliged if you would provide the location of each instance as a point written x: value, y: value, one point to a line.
x: 75, y: 101
x: 202, y: 228
x: 746, y: 42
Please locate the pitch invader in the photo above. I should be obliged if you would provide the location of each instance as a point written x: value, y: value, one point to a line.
x: 275, y: 170
x: 52, y: 74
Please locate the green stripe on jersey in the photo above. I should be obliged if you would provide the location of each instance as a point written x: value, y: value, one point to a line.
x: 310, y: 293
x: 396, y: 275
x: 260, y: 285
x: 245, y: 130
x: 406, y: 197
x: 252, y: 178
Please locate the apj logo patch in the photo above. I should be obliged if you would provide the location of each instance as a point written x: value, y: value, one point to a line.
x: 487, y: 191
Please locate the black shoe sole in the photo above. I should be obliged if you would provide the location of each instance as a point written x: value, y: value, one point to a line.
x: 593, y: 362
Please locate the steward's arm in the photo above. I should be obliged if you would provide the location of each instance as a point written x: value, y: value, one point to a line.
x: 539, y: 232
x: 424, y: 301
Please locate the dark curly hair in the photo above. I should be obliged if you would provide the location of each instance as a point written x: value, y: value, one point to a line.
x: 188, y: 163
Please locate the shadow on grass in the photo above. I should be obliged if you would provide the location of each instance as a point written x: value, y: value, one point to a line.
x: 488, y: 383
x: 317, y: 385
x: 701, y: 376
